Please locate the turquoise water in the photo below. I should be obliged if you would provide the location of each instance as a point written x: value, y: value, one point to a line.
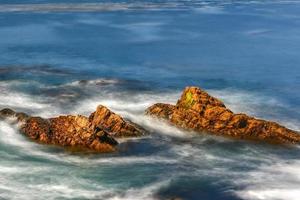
x: 137, y: 53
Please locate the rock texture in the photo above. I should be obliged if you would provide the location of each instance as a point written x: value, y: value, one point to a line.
x: 198, y: 111
x: 95, y: 133
x: 114, y: 123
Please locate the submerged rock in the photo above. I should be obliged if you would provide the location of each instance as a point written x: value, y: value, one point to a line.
x: 198, y: 111
x: 94, y: 133
x: 6, y: 113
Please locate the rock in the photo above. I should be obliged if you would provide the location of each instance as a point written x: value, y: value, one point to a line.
x: 68, y: 131
x: 94, y: 133
x: 198, y: 111
x: 83, y: 82
x: 114, y: 124
x: 6, y: 113
x: 37, y: 128
x: 21, y: 117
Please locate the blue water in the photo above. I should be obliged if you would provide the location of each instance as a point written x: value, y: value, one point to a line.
x: 137, y: 53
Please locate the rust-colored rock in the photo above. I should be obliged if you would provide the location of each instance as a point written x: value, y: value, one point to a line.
x: 198, y: 111
x: 93, y: 133
x: 68, y: 131
x: 114, y: 124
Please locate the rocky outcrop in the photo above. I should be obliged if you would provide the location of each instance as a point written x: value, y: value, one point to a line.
x: 114, y: 123
x: 198, y: 111
x: 95, y: 133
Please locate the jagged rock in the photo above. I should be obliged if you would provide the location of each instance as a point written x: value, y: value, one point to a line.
x: 94, y: 133
x: 198, y: 111
x: 68, y: 131
x: 114, y: 124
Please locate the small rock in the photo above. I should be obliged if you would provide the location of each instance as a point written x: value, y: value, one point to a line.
x: 6, y: 112
x: 114, y: 124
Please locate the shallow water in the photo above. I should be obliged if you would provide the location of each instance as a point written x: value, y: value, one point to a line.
x: 135, y: 54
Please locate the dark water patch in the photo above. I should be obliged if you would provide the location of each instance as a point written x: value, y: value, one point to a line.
x: 195, y: 189
x: 39, y: 73
x: 41, y: 69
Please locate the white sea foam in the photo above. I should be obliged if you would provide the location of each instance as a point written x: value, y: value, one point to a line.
x: 243, y: 101
x: 256, y: 104
x: 279, y: 181
x: 276, y: 178
x: 210, y: 10
x: 100, y: 81
x: 15, y: 99
x: 23, y: 102
x: 125, y: 103
x: 63, y: 186
x: 147, y: 193
x: 258, y: 32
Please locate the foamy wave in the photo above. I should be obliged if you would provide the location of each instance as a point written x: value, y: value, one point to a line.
x: 258, y: 32
x: 101, y: 81
x: 69, y: 185
x: 278, y: 181
x: 125, y: 103
x: 11, y: 98
x: 147, y: 193
x: 257, y: 105
x: 23, y: 102
x: 210, y: 10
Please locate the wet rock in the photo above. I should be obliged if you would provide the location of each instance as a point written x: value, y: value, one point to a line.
x: 6, y: 113
x: 198, y: 111
x: 68, y: 131
x: 83, y: 82
x: 114, y: 124
x: 13, y: 116
x: 94, y: 133
x: 77, y: 131
x: 21, y: 117
x: 37, y: 128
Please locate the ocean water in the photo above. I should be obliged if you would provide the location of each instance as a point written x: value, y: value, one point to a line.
x: 134, y: 54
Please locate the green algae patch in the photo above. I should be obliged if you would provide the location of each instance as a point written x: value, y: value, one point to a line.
x: 189, y: 101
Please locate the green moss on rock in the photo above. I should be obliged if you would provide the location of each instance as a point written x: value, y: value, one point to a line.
x: 189, y: 101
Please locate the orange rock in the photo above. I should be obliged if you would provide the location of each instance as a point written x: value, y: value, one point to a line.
x: 68, y: 131
x: 37, y: 128
x: 80, y: 132
x: 114, y: 124
x: 198, y: 111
